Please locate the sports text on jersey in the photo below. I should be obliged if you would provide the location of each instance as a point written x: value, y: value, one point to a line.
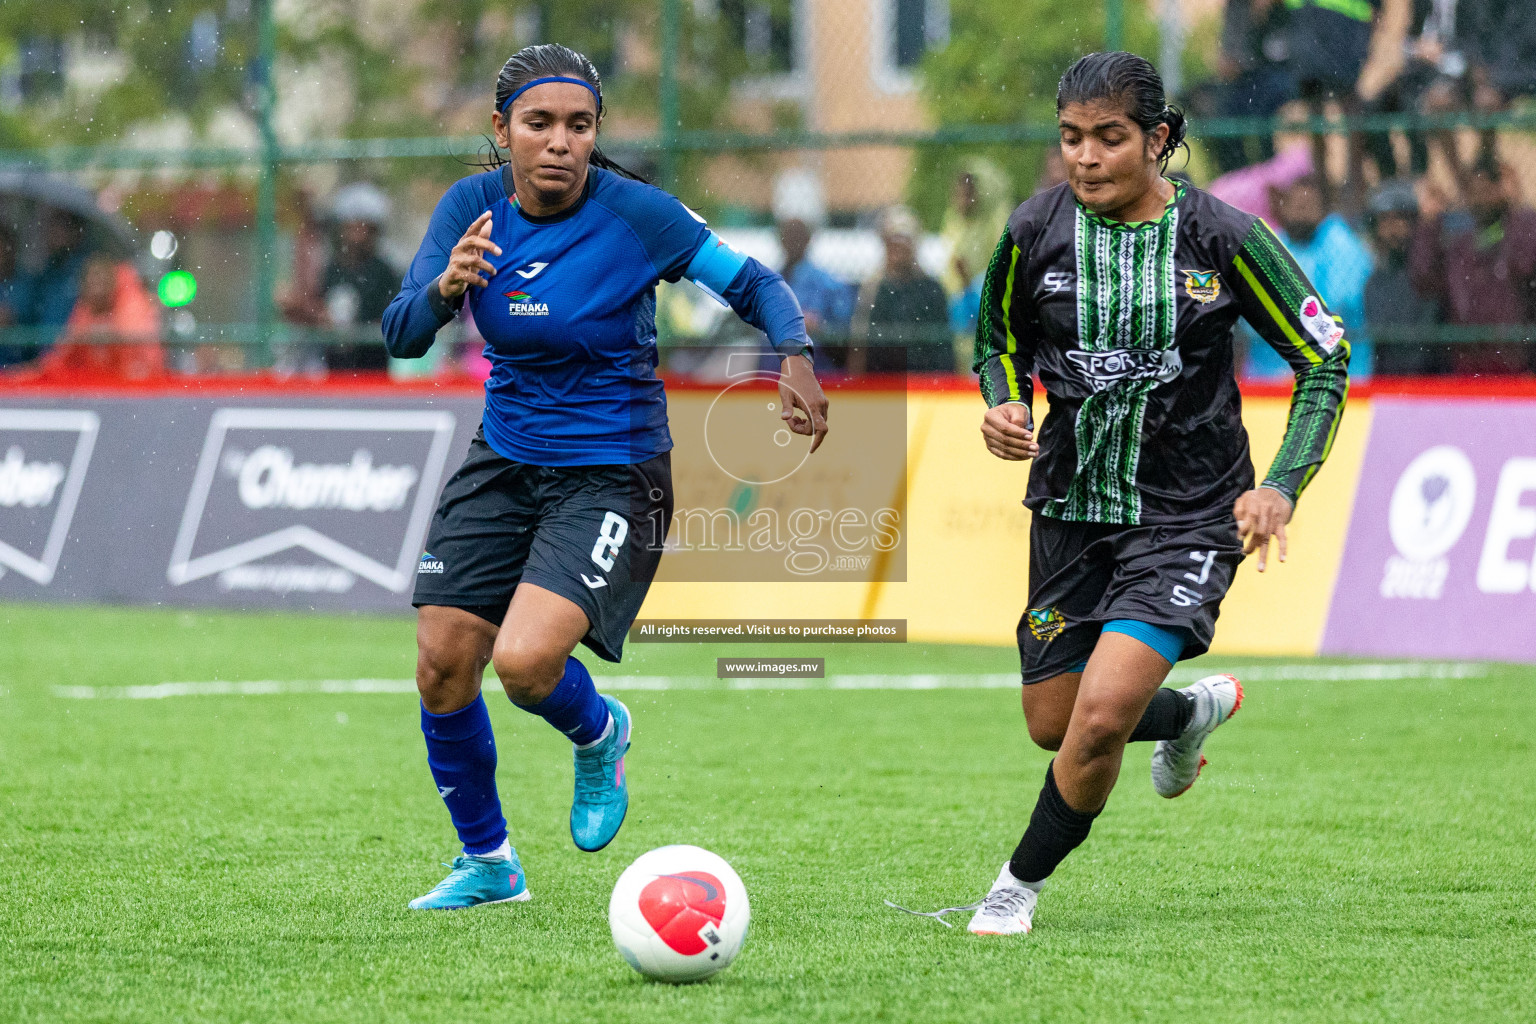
x: 523, y: 304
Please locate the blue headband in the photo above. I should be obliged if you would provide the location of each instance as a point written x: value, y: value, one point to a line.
x: 557, y: 78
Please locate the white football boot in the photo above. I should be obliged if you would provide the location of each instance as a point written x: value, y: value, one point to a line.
x: 1176, y: 763
x: 1009, y: 909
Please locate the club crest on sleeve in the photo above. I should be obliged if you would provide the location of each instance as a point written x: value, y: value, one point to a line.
x: 1045, y: 624
x: 1202, y: 285
x: 1323, y: 328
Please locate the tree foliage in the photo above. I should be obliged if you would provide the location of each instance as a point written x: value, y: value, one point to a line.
x: 192, y: 58
x: 1001, y: 66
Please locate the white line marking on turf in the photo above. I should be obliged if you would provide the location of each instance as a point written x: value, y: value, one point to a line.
x: 223, y: 688
x: 1344, y: 673
x: 1282, y: 672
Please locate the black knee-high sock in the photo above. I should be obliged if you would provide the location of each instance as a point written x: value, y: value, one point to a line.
x: 1165, y: 718
x: 1054, y: 831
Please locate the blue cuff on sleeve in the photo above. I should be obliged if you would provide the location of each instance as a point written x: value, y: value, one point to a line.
x: 715, y: 266
x: 1168, y: 641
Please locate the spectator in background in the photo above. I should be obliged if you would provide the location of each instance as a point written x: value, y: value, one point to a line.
x: 15, y: 288
x: 826, y: 301
x: 1327, y: 42
x: 301, y: 298
x: 1254, y: 75
x: 1504, y: 66
x: 1481, y: 267
x: 1433, y: 78
x: 979, y: 201
x: 1250, y: 188
x: 1053, y: 171
x: 903, y: 314
x: 1334, y: 259
x: 1391, y: 300
x: 113, y: 330
x: 358, y: 285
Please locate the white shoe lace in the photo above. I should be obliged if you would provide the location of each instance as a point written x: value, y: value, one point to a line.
x: 937, y: 915
x: 1005, y: 902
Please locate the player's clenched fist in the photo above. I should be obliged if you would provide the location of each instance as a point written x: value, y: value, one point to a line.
x: 1007, y: 431
x: 467, y: 261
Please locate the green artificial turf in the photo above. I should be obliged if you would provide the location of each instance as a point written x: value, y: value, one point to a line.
x: 1356, y: 850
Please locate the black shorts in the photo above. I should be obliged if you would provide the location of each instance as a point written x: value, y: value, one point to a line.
x: 592, y: 534
x: 1082, y: 575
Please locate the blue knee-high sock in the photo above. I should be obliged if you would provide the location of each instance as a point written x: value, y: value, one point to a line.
x: 574, y: 707
x: 461, y: 751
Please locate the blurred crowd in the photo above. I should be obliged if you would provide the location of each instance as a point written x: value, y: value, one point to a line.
x: 92, y: 308
x: 1425, y: 244
x: 84, y: 311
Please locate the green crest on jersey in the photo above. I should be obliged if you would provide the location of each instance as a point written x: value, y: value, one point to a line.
x: 1045, y: 624
x: 1125, y: 305
x: 1202, y: 285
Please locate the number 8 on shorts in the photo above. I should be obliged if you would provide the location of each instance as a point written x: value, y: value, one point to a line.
x: 610, y: 538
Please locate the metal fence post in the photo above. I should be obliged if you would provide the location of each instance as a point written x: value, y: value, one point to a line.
x: 266, y: 190
x: 1170, y: 54
x: 670, y: 107
x: 1114, y: 24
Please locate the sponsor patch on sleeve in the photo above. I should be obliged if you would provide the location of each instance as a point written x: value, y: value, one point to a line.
x: 1323, y: 328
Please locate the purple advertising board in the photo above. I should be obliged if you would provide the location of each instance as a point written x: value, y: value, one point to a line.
x: 1440, y: 559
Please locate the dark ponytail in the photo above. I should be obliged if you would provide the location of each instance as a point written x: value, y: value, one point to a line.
x: 550, y: 60
x: 1132, y: 82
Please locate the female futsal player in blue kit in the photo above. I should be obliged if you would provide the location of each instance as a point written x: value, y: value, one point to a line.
x: 542, y: 539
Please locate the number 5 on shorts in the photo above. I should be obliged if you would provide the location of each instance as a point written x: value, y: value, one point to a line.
x: 610, y: 538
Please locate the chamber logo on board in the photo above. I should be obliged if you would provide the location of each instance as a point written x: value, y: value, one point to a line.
x: 44, y: 457
x: 311, y: 500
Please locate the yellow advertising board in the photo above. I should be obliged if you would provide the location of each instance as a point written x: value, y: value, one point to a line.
x: 967, y: 537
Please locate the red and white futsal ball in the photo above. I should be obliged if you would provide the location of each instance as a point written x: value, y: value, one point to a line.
x: 679, y: 913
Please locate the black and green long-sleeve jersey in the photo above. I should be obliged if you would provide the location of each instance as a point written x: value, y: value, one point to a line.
x: 1129, y: 327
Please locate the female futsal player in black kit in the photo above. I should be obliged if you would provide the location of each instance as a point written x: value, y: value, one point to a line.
x: 1120, y: 289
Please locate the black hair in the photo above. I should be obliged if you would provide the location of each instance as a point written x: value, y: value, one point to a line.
x: 550, y: 60
x: 1132, y: 82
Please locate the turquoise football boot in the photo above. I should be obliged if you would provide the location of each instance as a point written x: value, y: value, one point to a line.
x: 602, y: 792
x: 476, y: 881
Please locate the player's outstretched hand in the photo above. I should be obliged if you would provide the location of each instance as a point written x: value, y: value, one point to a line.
x: 1008, y: 432
x: 1261, y: 514
x: 799, y: 390
x: 467, y: 261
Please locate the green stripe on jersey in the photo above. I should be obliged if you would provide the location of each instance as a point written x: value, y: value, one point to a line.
x: 1125, y: 300
x: 1013, y: 343
x: 1269, y: 256
x: 986, y: 342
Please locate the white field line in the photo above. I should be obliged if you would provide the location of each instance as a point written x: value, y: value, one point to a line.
x: 1281, y: 672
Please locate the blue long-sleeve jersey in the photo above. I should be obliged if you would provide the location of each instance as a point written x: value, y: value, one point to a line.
x: 569, y: 317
